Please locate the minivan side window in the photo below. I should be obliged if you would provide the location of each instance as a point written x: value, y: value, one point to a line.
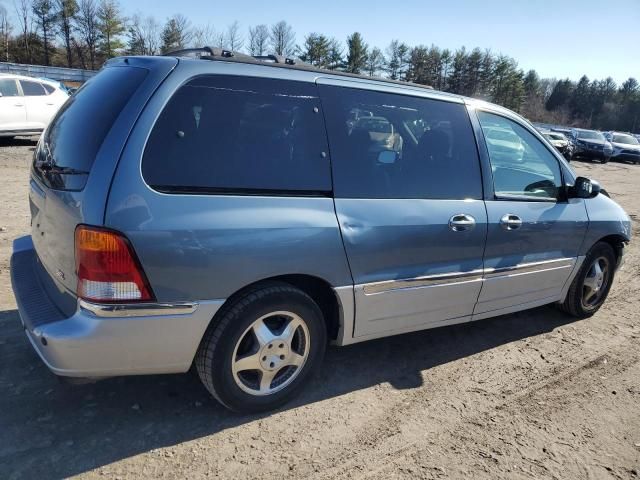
x: 387, y: 145
x: 32, y: 89
x: 8, y: 88
x: 236, y: 134
x: 522, y: 166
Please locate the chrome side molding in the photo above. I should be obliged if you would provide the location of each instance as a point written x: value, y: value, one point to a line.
x: 137, y: 309
x: 420, y: 282
x: 479, y: 275
x: 532, y: 267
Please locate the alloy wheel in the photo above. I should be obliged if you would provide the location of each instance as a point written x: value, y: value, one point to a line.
x: 595, y: 283
x: 271, y: 353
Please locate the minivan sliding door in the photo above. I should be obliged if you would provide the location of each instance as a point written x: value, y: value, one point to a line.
x: 408, y: 197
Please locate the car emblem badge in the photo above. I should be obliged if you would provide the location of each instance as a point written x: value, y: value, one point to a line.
x: 60, y: 274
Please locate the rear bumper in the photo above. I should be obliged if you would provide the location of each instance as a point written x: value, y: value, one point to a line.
x: 105, y: 340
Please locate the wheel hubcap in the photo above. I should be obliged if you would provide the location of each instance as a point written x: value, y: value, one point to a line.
x: 271, y: 353
x: 595, y: 283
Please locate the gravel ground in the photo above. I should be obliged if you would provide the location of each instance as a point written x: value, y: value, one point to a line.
x: 529, y: 395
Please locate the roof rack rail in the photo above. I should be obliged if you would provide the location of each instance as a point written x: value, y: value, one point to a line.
x: 276, y: 59
x: 220, y: 54
x: 216, y: 53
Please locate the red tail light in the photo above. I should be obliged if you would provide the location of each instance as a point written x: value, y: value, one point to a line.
x: 107, y: 268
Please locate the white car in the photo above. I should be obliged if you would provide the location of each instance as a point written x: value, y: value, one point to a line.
x: 28, y: 104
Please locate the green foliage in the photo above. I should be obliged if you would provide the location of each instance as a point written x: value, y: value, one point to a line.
x: 316, y: 50
x: 356, y: 54
x: 91, y: 31
x: 45, y: 15
x: 111, y: 25
x: 176, y: 34
x: 397, y: 60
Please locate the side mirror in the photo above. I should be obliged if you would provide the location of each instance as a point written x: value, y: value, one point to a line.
x: 387, y: 157
x: 584, y: 188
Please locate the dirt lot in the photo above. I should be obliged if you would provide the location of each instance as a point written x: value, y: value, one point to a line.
x: 531, y: 395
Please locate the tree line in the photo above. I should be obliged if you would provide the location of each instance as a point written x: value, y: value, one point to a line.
x: 85, y: 33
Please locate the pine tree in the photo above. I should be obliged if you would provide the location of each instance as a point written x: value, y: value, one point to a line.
x: 111, y: 26
x: 356, y: 53
x: 45, y: 13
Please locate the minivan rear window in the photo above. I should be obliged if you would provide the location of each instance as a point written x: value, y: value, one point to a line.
x: 240, y: 135
x: 70, y: 144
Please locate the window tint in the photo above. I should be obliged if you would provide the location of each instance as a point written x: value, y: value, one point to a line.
x: 76, y: 133
x: 232, y: 133
x: 395, y: 146
x: 8, y: 88
x: 32, y: 89
x: 521, y: 164
x: 48, y: 88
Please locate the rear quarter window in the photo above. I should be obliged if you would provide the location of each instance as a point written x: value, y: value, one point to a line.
x: 233, y: 134
x: 76, y: 133
x: 32, y: 89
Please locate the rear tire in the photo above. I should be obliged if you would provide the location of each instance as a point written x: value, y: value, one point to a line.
x: 591, y: 285
x: 265, y: 346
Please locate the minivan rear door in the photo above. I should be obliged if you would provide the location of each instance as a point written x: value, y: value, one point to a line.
x: 76, y: 157
x: 409, y: 200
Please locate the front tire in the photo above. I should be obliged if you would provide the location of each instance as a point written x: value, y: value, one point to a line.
x: 591, y: 285
x: 265, y: 346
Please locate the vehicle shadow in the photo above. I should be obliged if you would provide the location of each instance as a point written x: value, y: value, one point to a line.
x: 18, y: 141
x: 50, y: 429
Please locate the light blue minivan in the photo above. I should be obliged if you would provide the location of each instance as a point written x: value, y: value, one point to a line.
x: 238, y: 214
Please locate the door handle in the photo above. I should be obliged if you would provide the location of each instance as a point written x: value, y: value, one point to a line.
x: 462, y: 222
x: 18, y: 104
x: 510, y: 221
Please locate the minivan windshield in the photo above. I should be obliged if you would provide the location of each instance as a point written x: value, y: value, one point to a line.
x: 66, y: 152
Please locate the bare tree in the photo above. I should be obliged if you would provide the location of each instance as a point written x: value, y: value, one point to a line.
x: 282, y: 38
x: 5, y: 33
x: 144, y: 35
x: 234, y: 37
x: 23, y: 12
x: 204, y: 35
x: 87, y: 25
x: 220, y: 40
x: 258, y: 39
x: 151, y: 35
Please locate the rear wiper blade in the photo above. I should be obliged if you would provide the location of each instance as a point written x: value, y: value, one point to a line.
x: 48, y: 167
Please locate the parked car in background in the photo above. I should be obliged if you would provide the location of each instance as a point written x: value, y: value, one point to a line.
x: 560, y: 142
x: 504, y: 143
x: 626, y: 147
x: 58, y: 84
x: 591, y: 144
x: 28, y: 104
x: 154, y: 249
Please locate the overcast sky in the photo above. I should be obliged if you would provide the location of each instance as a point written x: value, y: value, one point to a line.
x: 570, y: 38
